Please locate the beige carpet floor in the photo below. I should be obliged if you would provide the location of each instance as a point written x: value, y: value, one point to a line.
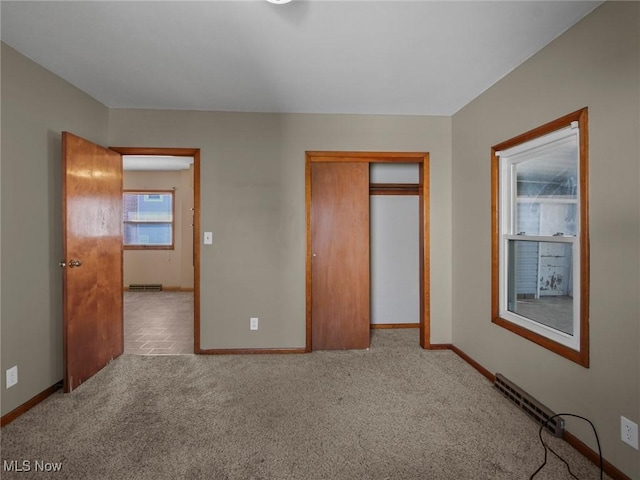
x: 392, y: 412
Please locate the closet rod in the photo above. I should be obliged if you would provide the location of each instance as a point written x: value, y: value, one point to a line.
x: 394, y: 189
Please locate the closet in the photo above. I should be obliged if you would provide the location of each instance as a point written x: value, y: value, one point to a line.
x: 340, y: 201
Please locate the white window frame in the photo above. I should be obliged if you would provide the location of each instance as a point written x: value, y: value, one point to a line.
x: 508, y: 203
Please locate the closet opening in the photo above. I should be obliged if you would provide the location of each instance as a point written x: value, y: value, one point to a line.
x: 359, y: 205
x: 394, y: 211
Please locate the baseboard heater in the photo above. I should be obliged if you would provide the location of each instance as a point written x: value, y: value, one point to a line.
x: 535, y: 409
x: 149, y: 287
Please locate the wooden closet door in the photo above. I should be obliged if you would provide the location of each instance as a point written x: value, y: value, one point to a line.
x: 340, y: 299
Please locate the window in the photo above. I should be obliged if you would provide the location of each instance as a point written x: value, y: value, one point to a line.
x: 148, y: 220
x: 540, y: 245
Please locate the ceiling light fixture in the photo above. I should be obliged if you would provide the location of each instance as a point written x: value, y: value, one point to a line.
x: 278, y: 2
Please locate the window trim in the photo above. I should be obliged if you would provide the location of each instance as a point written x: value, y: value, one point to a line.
x: 580, y: 354
x: 172, y: 222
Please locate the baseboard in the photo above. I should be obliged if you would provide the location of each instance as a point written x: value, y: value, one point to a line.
x: 571, y: 439
x: 29, y: 404
x: 580, y: 446
x: 490, y: 376
x: 394, y: 325
x: 250, y: 351
x: 439, y: 346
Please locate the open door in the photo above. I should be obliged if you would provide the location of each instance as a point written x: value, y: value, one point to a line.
x: 92, y: 265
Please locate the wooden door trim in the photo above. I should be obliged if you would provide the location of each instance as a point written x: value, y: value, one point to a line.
x: 183, y: 152
x: 420, y: 158
x: 368, y: 157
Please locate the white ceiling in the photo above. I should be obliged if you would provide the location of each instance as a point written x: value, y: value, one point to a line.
x: 368, y: 57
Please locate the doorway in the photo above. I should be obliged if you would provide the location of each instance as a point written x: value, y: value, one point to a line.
x: 161, y: 256
x: 334, y: 217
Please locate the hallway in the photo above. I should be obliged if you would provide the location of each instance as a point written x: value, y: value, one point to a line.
x: 158, y: 323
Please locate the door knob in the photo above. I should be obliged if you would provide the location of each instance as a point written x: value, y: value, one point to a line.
x: 75, y: 263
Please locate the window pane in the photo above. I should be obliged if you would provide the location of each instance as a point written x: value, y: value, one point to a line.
x: 546, y: 218
x: 154, y: 207
x: 541, y: 282
x: 158, y: 234
x: 547, y: 191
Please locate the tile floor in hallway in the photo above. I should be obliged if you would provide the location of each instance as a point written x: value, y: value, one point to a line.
x: 158, y: 323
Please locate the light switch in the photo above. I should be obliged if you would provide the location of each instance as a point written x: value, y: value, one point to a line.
x: 208, y: 238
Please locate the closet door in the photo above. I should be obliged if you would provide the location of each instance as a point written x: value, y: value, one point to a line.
x: 340, y: 303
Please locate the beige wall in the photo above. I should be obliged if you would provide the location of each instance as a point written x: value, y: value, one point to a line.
x: 252, y: 199
x: 171, y: 268
x: 36, y: 107
x: 595, y: 64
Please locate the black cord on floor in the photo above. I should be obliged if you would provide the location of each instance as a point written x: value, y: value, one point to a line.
x: 548, y: 448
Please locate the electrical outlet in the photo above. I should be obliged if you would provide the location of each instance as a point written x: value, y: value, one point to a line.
x: 12, y: 376
x: 253, y: 323
x: 629, y: 432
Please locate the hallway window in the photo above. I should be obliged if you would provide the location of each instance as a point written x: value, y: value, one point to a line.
x: 540, y: 236
x: 148, y: 219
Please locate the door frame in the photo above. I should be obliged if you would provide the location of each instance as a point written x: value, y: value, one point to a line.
x: 420, y: 158
x: 183, y: 152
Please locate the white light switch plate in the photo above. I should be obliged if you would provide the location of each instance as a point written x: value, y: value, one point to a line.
x: 208, y: 238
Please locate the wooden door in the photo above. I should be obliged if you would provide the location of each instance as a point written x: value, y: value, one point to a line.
x: 92, y: 276
x: 340, y: 304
